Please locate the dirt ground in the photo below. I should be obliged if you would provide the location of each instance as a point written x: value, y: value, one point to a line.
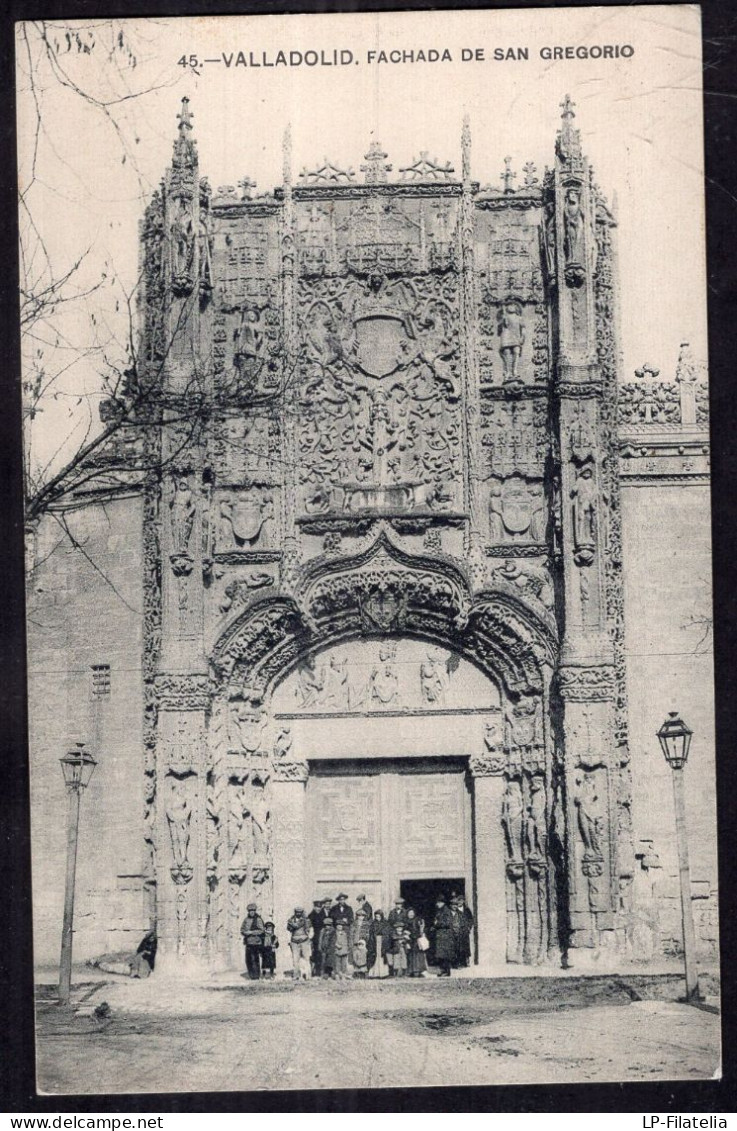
x: 239, y: 1036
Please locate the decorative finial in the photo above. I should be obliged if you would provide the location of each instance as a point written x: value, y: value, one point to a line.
x: 508, y: 176
x: 185, y: 118
x: 567, y: 107
x: 466, y: 149
x: 287, y: 155
x: 530, y: 169
x: 245, y: 185
x: 647, y: 370
x: 375, y: 167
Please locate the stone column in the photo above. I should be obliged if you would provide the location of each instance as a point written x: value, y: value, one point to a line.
x: 489, y: 858
x: 288, y: 842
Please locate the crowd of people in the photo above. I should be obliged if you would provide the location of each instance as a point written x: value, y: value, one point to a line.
x: 335, y: 941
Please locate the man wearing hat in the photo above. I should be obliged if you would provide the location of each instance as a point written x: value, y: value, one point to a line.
x: 252, y: 930
x: 298, y: 926
x: 397, y: 917
x: 365, y: 906
x: 445, y: 937
x: 317, y: 921
x: 341, y: 909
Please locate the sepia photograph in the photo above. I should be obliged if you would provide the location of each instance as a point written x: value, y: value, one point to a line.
x: 368, y: 550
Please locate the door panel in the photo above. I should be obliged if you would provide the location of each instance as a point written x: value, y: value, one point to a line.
x: 372, y: 831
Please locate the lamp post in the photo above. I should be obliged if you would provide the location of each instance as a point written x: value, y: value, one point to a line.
x: 77, y: 767
x: 675, y: 742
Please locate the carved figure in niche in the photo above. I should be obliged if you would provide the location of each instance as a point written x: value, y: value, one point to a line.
x: 335, y: 690
x: 182, y: 243
x: 384, y: 682
x: 573, y: 224
x: 240, y: 813
x: 492, y: 736
x: 513, y: 809
x: 521, y: 722
x: 283, y: 745
x: 246, y: 520
x: 310, y: 681
x: 260, y: 815
x: 516, y: 511
x: 537, y: 840
x: 179, y: 815
x: 249, y: 339
x: 511, y: 329
x: 205, y: 246
x: 182, y: 507
x: 584, y: 496
x: 435, y: 672
x: 247, y: 727
x: 548, y: 239
x: 590, y: 817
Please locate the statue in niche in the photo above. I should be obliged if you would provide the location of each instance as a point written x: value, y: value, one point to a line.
x: 310, y: 681
x: 492, y: 736
x: 383, y: 685
x: 283, y: 745
x: 573, y: 224
x: 249, y: 340
x: 182, y: 243
x: 435, y: 672
x: 260, y: 816
x: 584, y: 496
x: 240, y: 813
x: 513, y: 809
x: 590, y: 817
x: 537, y: 840
x: 334, y: 692
x: 246, y: 520
x: 205, y: 246
x: 182, y: 507
x: 511, y: 330
x: 179, y: 816
x: 516, y: 511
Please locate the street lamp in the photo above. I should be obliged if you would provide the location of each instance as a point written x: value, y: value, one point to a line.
x: 675, y: 741
x: 77, y: 767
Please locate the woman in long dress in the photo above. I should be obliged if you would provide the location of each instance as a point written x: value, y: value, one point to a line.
x: 377, y: 946
x: 416, y: 960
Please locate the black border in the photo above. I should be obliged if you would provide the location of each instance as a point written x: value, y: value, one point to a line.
x: 17, y: 1067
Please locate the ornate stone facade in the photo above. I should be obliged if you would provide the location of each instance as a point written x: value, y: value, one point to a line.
x: 383, y: 573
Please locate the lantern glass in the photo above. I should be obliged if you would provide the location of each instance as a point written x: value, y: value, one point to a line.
x: 675, y: 740
x: 77, y: 767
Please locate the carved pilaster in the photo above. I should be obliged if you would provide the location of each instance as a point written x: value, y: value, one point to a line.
x: 472, y: 420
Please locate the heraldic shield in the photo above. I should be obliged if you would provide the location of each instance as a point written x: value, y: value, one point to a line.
x: 381, y: 344
x: 248, y: 516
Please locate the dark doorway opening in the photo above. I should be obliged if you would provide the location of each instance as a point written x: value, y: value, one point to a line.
x: 420, y: 895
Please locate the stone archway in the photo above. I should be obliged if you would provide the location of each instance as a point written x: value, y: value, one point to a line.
x: 385, y: 600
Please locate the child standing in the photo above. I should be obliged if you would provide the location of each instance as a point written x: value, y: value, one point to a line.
x: 271, y: 945
x: 398, y: 951
x: 342, y: 948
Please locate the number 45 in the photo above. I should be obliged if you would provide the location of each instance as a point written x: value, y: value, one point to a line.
x: 189, y: 61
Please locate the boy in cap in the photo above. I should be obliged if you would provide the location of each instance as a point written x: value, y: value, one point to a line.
x: 342, y: 949
x: 252, y: 930
x: 298, y: 926
x: 268, y: 955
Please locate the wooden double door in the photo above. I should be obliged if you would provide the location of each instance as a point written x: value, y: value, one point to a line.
x: 375, y: 826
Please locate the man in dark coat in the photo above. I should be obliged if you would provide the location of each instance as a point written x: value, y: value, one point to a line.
x: 341, y: 909
x: 317, y: 919
x: 463, y: 917
x: 253, y: 931
x: 398, y: 914
x: 445, y: 937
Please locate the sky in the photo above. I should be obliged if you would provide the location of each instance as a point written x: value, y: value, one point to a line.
x: 640, y: 120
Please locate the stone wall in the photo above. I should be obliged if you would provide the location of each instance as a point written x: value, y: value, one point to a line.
x: 667, y: 578
x: 84, y: 610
